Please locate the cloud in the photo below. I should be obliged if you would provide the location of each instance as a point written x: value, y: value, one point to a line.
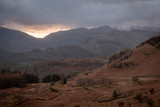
x: 80, y: 13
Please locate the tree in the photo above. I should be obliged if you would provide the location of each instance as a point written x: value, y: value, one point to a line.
x: 30, y: 78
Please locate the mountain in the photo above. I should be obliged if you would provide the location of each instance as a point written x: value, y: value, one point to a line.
x: 73, y: 36
x: 142, y: 61
x: 107, y: 43
x: 16, y: 41
x: 101, y: 41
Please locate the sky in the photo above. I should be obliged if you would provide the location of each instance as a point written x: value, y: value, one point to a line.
x: 42, y: 17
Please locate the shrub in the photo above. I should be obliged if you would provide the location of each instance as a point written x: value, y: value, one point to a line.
x: 54, y: 90
x: 64, y: 81
x: 140, y: 97
x: 116, y: 93
x: 129, y: 104
x: 150, y: 102
x: 135, y: 78
x: 151, y: 90
x: 121, y: 104
x: 77, y: 105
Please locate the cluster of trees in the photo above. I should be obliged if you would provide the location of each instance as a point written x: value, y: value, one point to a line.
x: 10, y: 78
x: 16, y: 79
x: 30, y: 78
x: 51, y: 78
x: 86, y: 82
x: 55, y: 78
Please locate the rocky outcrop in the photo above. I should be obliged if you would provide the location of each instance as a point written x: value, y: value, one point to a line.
x: 116, y: 60
x: 120, y: 55
x: 122, y: 65
x: 154, y: 41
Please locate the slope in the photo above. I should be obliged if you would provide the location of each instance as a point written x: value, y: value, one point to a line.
x: 142, y: 61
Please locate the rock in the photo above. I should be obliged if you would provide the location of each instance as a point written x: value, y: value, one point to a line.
x: 120, y: 55
x: 154, y: 41
x: 122, y: 65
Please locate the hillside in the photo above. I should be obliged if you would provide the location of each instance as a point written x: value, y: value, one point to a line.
x: 69, y: 66
x: 38, y: 55
x: 142, y: 61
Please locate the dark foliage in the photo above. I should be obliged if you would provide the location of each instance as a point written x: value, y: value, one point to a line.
x: 135, y: 78
x: 87, y: 82
x: 54, y: 90
x: 151, y: 90
x: 121, y: 104
x: 51, y: 78
x: 30, y: 78
x: 150, y: 102
x: 140, y: 97
x: 8, y: 80
x: 64, y: 81
x: 116, y: 93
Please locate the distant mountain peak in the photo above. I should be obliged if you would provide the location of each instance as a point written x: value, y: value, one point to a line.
x: 104, y: 28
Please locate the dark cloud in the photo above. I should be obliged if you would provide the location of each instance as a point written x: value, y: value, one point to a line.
x: 80, y: 12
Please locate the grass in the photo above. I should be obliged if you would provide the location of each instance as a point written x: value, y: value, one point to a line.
x: 16, y: 98
x: 87, y: 89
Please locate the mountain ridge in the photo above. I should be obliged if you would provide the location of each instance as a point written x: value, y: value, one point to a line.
x: 103, y: 41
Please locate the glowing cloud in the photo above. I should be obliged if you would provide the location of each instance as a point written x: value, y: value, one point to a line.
x: 38, y: 31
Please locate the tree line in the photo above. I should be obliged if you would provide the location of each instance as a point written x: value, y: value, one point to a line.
x: 19, y: 79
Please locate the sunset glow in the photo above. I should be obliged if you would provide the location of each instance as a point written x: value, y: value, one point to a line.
x: 38, y: 31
